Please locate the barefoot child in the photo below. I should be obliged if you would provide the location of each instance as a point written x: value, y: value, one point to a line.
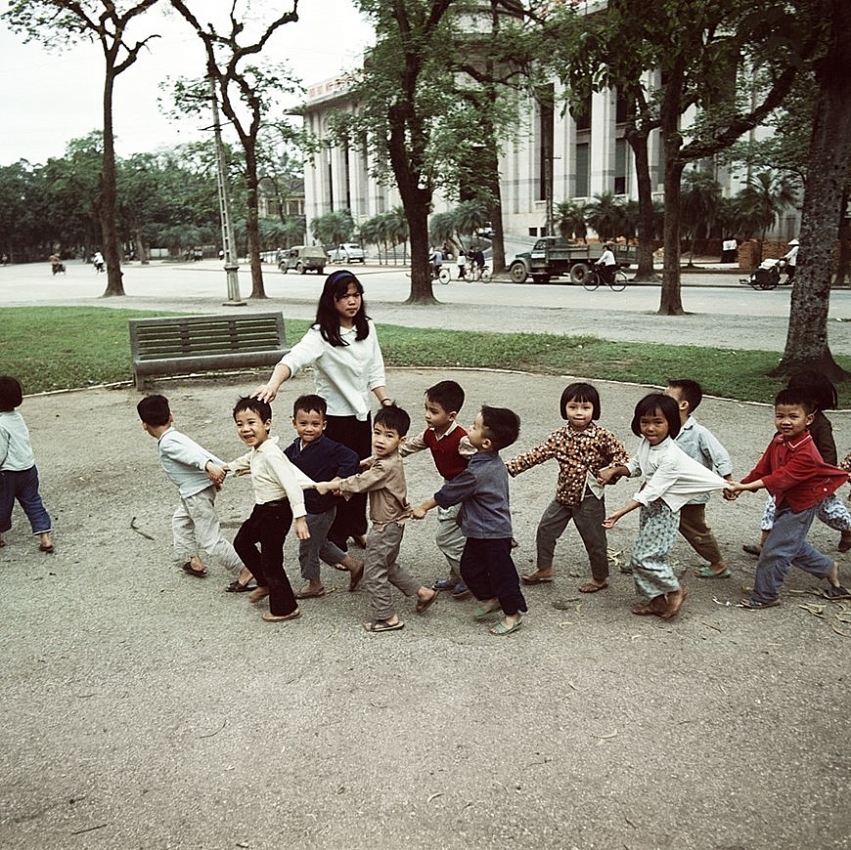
x: 671, y: 478
x: 18, y: 472
x: 792, y: 470
x: 197, y: 474
x: 279, y: 498
x: 699, y: 443
x: 320, y: 458
x: 450, y: 451
x: 482, y: 491
x: 582, y: 447
x: 384, y: 482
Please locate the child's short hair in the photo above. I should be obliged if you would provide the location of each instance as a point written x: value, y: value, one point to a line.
x: 796, y: 397
x: 500, y: 425
x: 310, y: 403
x: 262, y: 408
x: 665, y: 405
x: 580, y: 391
x: 11, y: 394
x: 154, y: 410
x: 819, y: 387
x: 448, y: 394
x: 394, y: 418
x: 690, y: 391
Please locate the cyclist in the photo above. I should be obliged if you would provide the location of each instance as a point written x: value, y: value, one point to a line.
x: 791, y: 258
x: 478, y: 263
x: 436, y: 263
x: 607, y: 265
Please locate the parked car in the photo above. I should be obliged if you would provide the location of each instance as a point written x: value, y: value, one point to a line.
x: 303, y: 258
x: 346, y: 252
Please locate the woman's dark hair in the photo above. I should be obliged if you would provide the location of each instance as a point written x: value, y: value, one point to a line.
x: 819, y: 388
x: 665, y: 405
x: 580, y: 392
x: 11, y: 394
x: 327, y: 317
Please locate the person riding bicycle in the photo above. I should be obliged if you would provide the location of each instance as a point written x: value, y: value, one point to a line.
x: 791, y: 258
x: 478, y: 263
x: 436, y: 263
x: 56, y: 265
x: 607, y: 265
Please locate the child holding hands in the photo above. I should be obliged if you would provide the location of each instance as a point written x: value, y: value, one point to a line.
x: 384, y: 482
x: 581, y: 448
x: 793, y: 472
x: 278, y: 499
x: 671, y: 479
x: 482, y: 490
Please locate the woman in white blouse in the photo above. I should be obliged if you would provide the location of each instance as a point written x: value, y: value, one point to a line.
x: 342, y: 347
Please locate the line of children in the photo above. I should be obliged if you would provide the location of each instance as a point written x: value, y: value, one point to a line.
x: 384, y: 482
x: 679, y: 460
x: 18, y: 472
x: 582, y: 448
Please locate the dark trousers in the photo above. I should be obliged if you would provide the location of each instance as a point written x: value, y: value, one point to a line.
x: 351, y: 513
x: 268, y: 525
x: 22, y: 486
x: 488, y: 570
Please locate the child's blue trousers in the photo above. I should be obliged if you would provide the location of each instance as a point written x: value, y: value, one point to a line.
x: 787, y: 544
x: 22, y: 486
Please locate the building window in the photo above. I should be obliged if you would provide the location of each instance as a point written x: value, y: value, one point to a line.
x: 620, y: 166
x: 582, y: 171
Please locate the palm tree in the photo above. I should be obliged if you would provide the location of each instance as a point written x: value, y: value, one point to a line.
x: 397, y: 230
x: 699, y: 200
x: 571, y: 220
x: 605, y: 215
x: 766, y: 196
x: 370, y: 234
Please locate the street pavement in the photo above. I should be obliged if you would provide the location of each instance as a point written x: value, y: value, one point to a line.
x: 720, y: 311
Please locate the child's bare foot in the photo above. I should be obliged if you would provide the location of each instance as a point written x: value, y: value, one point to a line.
x: 844, y: 542
x: 675, y: 602
x: 244, y: 576
x: 593, y: 586
x: 195, y: 567
x: 537, y: 577
x: 312, y: 590
x: 280, y: 618
x: 45, y: 543
x: 655, y: 607
x: 425, y: 597
x: 508, y: 625
x: 258, y: 595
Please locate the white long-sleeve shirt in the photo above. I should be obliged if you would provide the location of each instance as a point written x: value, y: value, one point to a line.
x: 670, y: 474
x: 16, y: 454
x: 344, y: 375
x: 273, y: 476
x: 185, y: 462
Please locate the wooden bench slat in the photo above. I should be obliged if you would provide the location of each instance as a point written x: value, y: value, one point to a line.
x: 202, y: 343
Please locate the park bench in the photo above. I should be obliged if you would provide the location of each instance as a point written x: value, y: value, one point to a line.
x: 182, y: 344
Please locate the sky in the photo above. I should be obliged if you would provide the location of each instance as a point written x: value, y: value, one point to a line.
x: 48, y: 98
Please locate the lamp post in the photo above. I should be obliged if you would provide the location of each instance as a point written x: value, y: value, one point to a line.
x: 228, y: 242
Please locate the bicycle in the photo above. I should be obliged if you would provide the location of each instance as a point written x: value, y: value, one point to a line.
x: 482, y: 273
x: 593, y: 280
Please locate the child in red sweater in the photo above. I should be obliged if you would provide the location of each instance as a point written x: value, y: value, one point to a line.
x: 792, y: 470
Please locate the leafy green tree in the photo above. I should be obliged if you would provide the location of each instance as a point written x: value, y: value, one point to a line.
x: 57, y: 22
x: 247, y: 91
x: 764, y: 198
x: 572, y: 220
x: 605, y: 214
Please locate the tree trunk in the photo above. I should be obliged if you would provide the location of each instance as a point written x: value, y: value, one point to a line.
x: 830, y: 150
x: 108, y: 195
x: 670, y: 302
x: 638, y: 142
x: 252, y: 220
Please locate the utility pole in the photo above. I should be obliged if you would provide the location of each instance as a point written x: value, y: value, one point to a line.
x: 228, y: 242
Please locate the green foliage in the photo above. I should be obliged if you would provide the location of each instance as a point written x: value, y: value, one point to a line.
x: 90, y: 345
x: 333, y: 227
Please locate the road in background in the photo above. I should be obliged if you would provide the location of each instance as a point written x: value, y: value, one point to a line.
x: 721, y: 311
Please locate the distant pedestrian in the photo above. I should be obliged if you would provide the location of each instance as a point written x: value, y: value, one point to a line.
x: 462, y: 264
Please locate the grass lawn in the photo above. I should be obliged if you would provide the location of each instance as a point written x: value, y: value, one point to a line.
x: 51, y: 348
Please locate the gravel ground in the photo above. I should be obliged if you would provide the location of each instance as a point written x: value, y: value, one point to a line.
x: 146, y: 709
